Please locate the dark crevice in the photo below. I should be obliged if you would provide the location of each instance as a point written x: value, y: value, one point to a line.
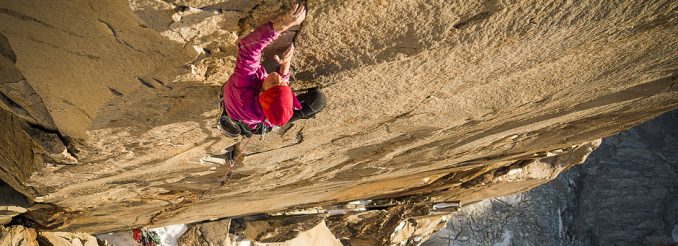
x: 93, y: 57
x: 15, y: 107
x: 403, y: 115
x: 24, y: 17
x: 115, y: 92
x: 130, y: 46
x: 76, y: 107
x: 159, y: 81
x: 299, y: 138
x: 6, y: 49
x: 70, y: 148
x: 162, y: 83
x: 145, y: 83
x: 20, y: 111
x: 43, y: 241
x: 472, y: 20
x: 117, y: 37
x: 32, y: 124
x: 110, y: 28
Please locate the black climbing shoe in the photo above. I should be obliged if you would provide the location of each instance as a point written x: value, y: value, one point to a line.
x: 311, y: 103
x: 228, y: 126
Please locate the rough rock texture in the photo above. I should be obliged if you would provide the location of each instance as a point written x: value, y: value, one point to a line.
x: 22, y: 236
x: 274, y: 231
x: 625, y: 194
x: 11, y: 204
x: 279, y: 229
x: 289, y: 230
x: 409, y: 219
x: 390, y: 223
x: 18, y: 236
x: 67, y: 239
x: 402, y: 224
x: 405, y: 220
x: 421, y: 93
x: 213, y: 233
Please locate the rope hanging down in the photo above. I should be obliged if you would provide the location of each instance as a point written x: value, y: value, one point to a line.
x: 227, y: 175
x: 231, y: 163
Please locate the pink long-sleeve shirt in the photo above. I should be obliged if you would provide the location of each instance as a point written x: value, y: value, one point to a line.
x: 241, y: 93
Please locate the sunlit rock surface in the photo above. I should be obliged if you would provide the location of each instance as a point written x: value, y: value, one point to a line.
x: 22, y: 236
x: 107, y: 107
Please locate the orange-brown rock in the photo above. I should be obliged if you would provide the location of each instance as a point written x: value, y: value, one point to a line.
x: 109, y: 106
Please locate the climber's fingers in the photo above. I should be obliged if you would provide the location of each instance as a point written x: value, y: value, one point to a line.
x: 299, y: 9
x: 288, y: 53
x: 286, y: 56
x: 295, y: 16
x: 294, y: 9
x: 302, y: 14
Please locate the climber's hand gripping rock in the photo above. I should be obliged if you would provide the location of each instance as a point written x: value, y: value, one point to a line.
x: 286, y: 60
x: 295, y: 16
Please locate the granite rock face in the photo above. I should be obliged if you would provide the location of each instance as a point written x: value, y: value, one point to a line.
x: 108, y: 107
x: 625, y: 194
x: 18, y: 236
x: 22, y: 236
x: 213, y: 233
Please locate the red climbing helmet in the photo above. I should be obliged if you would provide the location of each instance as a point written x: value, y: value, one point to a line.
x: 277, y: 104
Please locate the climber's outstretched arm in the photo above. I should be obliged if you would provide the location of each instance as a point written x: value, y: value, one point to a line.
x: 249, y: 50
x: 252, y: 45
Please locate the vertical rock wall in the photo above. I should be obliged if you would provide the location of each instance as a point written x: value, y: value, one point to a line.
x: 418, y: 91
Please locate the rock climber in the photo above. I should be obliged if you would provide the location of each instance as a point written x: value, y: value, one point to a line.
x: 254, y: 101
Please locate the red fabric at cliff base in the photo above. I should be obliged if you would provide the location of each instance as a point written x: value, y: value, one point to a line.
x: 276, y: 103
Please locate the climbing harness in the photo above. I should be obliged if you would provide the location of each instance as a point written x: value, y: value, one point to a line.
x: 244, y: 130
x: 148, y: 238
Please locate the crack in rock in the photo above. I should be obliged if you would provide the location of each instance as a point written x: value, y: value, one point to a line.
x: 117, y: 37
x: 76, y: 107
x: 145, y: 83
x: 24, y: 17
x: 92, y: 57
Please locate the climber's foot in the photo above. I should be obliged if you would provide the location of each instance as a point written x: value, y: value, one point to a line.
x: 228, y: 126
x: 312, y: 102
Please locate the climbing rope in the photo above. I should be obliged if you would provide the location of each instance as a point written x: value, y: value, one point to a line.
x: 222, y: 182
x: 231, y: 163
x: 227, y: 175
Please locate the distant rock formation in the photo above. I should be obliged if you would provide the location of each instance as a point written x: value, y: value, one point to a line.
x: 625, y: 194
